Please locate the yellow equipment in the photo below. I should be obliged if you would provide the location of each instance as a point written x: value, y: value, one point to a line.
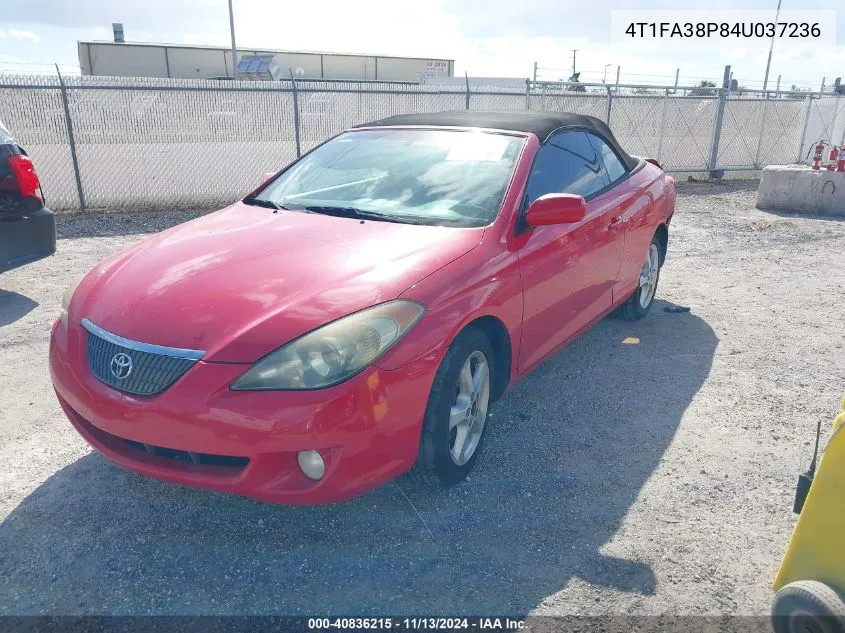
x: 810, y: 583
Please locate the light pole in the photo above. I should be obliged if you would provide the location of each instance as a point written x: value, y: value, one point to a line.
x: 234, y: 49
x: 771, y: 46
x: 604, y: 79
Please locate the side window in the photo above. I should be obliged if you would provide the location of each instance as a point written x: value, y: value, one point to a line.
x: 566, y: 163
x: 614, y: 167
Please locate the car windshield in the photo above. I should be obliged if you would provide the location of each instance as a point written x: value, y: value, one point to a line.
x: 437, y: 177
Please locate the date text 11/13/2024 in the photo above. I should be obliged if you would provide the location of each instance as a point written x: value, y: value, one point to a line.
x: 418, y: 623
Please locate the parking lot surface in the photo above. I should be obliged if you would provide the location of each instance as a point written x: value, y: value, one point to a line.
x: 641, y: 477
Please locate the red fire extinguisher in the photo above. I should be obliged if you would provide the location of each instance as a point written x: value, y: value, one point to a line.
x: 817, y: 157
x: 840, y: 166
x: 831, y: 159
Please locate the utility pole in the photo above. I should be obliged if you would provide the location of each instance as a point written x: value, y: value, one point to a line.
x: 771, y: 46
x: 574, y: 50
x: 234, y: 49
x: 535, y: 71
x: 604, y: 79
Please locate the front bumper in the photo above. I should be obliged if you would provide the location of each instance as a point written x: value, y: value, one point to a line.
x: 367, y: 429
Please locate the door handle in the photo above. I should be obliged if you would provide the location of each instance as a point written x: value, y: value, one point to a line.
x: 616, y: 222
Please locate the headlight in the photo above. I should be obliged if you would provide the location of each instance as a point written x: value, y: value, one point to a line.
x: 66, y: 299
x: 335, y: 352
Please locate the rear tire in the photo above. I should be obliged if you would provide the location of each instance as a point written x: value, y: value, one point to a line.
x: 808, y: 606
x: 456, y: 415
x: 639, y: 303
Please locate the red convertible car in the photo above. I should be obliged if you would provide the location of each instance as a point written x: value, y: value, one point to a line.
x: 355, y: 316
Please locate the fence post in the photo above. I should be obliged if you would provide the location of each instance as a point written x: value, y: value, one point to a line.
x: 717, y: 130
x: 295, y: 114
x: 609, y: 101
x: 72, y: 141
x: 466, y: 77
x: 804, y: 130
x: 835, y: 119
x: 842, y: 142
x: 762, y: 130
x: 527, y: 94
x: 662, y: 125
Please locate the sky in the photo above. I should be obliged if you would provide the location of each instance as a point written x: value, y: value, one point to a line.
x: 492, y: 38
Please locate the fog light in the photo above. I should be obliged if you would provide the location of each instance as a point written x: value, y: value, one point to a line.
x: 311, y: 463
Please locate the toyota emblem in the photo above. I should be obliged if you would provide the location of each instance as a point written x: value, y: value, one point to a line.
x: 121, y: 365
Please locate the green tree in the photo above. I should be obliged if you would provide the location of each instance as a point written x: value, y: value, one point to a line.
x: 704, y: 89
x: 795, y: 92
x: 575, y: 84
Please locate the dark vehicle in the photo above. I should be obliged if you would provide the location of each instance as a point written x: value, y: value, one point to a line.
x: 27, y: 227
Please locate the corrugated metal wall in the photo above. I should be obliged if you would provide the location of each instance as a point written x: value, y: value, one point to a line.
x: 107, y: 59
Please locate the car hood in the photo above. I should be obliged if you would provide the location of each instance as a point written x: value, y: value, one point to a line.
x: 242, y: 281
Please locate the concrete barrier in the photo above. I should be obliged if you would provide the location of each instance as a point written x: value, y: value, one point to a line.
x: 799, y: 189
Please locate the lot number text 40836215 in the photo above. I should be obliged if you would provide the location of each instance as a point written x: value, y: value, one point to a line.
x: 418, y: 623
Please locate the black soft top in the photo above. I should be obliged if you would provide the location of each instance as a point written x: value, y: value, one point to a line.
x: 542, y: 124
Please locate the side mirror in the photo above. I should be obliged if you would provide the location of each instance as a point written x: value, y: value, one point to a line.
x: 267, y: 176
x: 556, y: 208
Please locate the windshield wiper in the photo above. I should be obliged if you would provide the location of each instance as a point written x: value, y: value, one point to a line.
x: 344, y: 212
x: 278, y: 206
x: 261, y: 202
x: 352, y: 212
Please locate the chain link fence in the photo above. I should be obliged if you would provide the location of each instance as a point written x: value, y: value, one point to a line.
x: 145, y: 143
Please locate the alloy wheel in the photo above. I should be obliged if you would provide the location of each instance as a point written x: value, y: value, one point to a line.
x: 469, y: 409
x: 648, y: 276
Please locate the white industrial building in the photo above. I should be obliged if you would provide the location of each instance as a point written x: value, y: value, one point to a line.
x: 132, y: 59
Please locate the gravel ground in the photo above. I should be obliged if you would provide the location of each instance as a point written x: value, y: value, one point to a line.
x: 617, y: 479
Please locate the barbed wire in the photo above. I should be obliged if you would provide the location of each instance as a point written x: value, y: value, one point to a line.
x: 591, y: 75
x: 544, y: 73
x: 37, y: 68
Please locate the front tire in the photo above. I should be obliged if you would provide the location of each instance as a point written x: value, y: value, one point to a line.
x: 456, y: 414
x: 639, y: 303
x: 808, y: 606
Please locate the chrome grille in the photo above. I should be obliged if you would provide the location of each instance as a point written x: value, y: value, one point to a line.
x: 151, y: 368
